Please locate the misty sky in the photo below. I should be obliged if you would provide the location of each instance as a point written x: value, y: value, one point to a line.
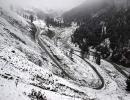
x: 50, y: 4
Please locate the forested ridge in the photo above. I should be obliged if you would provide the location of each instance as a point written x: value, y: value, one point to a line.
x: 91, y: 32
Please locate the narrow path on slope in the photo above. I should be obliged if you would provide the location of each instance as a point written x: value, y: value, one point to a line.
x: 99, y: 75
x: 118, y: 68
x: 109, y: 87
x: 96, y: 71
x: 41, y: 43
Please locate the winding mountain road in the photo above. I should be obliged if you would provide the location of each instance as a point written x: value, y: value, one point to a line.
x: 119, y: 69
x: 96, y: 71
x: 44, y: 47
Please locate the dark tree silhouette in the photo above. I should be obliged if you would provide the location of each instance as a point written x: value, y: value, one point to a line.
x: 117, y: 22
x: 31, y: 18
x: 128, y: 84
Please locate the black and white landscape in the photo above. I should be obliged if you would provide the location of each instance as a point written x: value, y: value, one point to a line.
x: 65, y: 50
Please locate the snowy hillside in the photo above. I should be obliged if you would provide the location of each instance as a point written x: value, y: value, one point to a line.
x: 41, y: 70
x: 24, y: 65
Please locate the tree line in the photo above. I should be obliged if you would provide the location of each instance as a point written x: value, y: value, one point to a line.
x: 89, y: 33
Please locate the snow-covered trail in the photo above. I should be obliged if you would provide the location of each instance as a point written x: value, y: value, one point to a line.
x: 41, y: 43
x: 109, y: 89
x: 110, y: 84
x: 43, y: 46
x: 119, y: 69
x: 96, y: 71
x: 24, y: 66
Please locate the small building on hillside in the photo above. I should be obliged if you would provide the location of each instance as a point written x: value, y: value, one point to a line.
x: 59, y: 19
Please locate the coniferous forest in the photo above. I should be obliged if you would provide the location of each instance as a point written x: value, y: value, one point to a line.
x: 116, y: 21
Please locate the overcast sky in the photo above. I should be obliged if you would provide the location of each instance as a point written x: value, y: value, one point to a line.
x: 50, y: 4
x: 53, y: 4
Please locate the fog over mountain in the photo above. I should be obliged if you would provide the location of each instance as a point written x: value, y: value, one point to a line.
x: 65, y: 49
x: 64, y: 5
x: 46, y: 4
x: 92, y: 6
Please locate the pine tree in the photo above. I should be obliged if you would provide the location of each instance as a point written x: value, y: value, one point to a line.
x: 31, y: 18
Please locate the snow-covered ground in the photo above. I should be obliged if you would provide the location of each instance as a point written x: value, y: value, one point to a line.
x: 114, y: 88
x: 26, y: 67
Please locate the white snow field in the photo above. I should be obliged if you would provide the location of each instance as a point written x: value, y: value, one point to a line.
x: 25, y: 66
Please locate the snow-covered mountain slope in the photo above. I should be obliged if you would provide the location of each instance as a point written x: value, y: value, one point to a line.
x: 114, y: 81
x: 24, y: 66
x: 30, y: 72
x: 77, y: 70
